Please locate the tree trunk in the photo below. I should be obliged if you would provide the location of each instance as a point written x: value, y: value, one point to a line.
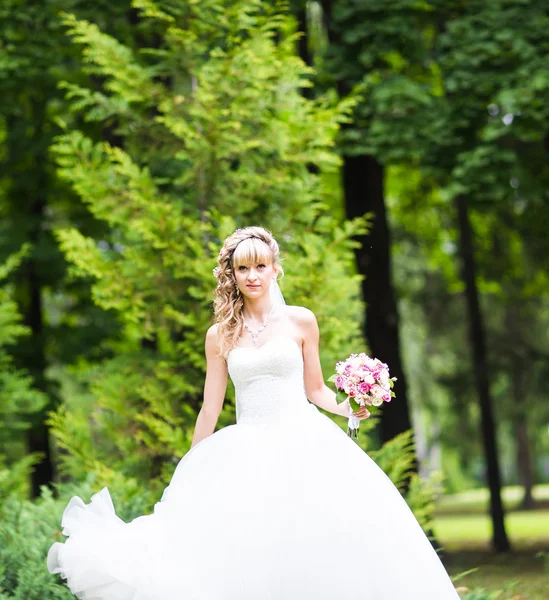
x: 363, y: 180
x: 38, y: 435
x: 524, y: 464
x: 519, y: 375
x: 39, y: 440
x: 28, y: 165
x: 300, y: 13
x: 480, y: 363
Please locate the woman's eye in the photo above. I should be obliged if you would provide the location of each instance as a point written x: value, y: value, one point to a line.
x: 261, y: 266
x: 242, y: 268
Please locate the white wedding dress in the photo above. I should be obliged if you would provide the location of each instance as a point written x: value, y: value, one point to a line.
x: 281, y: 506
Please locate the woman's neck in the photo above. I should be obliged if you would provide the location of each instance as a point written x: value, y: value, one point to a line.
x: 257, y: 310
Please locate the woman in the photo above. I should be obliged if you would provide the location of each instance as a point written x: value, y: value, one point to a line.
x: 282, y: 505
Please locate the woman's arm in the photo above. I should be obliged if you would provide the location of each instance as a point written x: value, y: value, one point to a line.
x: 215, y: 387
x: 315, y: 388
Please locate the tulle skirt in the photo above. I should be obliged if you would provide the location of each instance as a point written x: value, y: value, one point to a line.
x: 258, y: 512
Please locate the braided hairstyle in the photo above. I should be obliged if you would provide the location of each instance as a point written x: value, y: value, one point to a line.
x: 247, y: 246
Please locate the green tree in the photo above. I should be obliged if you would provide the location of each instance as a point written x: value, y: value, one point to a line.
x: 19, y: 400
x: 486, y: 54
x: 442, y: 85
x: 63, y: 321
x: 212, y: 123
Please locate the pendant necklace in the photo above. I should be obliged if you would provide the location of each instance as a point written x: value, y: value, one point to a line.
x: 254, y: 334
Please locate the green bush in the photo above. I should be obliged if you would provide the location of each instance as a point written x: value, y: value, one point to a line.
x: 28, y: 528
x: 482, y: 594
x: 506, y: 593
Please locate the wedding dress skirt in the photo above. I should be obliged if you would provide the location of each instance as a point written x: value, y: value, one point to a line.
x: 281, y: 506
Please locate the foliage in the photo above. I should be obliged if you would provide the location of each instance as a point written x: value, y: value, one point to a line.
x: 23, y: 572
x: 482, y: 594
x: 454, y: 102
x: 208, y: 122
x: 64, y: 323
x: 19, y: 401
x: 386, y: 50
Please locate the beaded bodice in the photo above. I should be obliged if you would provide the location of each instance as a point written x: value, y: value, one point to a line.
x: 269, y: 382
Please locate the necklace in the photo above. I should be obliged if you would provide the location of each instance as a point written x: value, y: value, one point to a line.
x: 254, y: 334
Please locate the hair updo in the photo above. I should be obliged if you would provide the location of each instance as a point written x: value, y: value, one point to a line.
x: 250, y: 245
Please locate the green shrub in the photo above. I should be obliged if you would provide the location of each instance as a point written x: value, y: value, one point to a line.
x: 482, y: 594
x: 28, y: 528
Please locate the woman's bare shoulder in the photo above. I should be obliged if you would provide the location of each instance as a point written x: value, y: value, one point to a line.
x: 211, y: 335
x: 212, y: 331
x: 300, y: 314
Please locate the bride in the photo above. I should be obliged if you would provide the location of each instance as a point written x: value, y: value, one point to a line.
x: 282, y: 505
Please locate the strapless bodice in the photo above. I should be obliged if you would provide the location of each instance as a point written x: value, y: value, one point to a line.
x: 268, y: 382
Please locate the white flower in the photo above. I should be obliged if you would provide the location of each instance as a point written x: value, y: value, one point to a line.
x: 377, y: 391
x: 384, y: 379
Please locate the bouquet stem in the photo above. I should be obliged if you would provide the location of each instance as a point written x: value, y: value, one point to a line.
x: 352, y: 426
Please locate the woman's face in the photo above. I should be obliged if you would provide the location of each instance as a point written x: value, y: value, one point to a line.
x: 254, y: 279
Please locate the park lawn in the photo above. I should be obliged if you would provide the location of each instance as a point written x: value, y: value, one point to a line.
x: 518, y: 576
x: 477, y: 501
x: 462, y: 527
x: 526, y: 530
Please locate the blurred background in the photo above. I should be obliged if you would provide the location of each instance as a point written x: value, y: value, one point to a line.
x: 398, y: 151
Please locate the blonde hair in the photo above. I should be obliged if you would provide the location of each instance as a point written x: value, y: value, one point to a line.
x: 247, y: 246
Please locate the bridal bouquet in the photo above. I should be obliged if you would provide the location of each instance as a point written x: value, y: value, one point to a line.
x: 365, y: 381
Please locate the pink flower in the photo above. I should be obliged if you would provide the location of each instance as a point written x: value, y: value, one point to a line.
x: 364, y: 387
x: 339, y: 382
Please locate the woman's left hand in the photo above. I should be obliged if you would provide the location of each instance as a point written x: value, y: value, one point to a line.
x: 361, y: 413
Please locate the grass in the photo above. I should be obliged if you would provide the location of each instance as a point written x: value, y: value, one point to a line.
x: 519, y: 575
x: 463, y: 529
x: 475, y: 501
x: 526, y: 530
